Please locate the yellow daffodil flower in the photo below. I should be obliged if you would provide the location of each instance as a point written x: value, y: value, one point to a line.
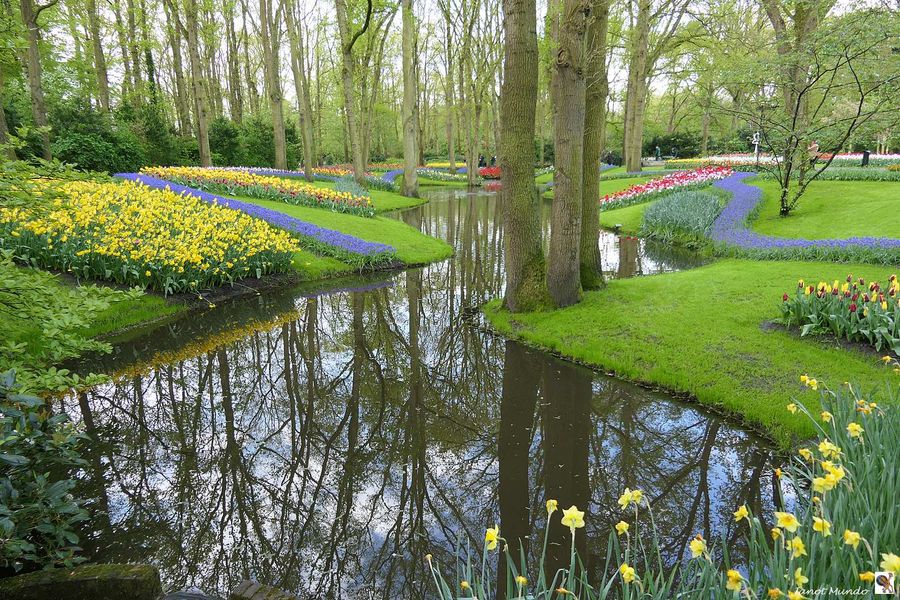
x: 867, y: 576
x: 799, y: 578
x: 735, y: 580
x: 774, y: 593
x: 741, y: 513
x: 890, y: 562
x: 797, y: 548
x: 852, y: 538
x: 698, y: 546
x: 621, y: 527
x: 855, y: 430
x: 787, y: 521
x: 573, y: 518
x: 491, y: 535
x: 822, y: 526
x: 627, y: 572
x: 552, y: 505
x: 827, y: 416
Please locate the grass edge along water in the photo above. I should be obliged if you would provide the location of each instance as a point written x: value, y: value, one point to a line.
x: 839, y: 536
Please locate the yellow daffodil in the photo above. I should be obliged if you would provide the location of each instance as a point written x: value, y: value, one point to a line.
x: 855, y: 430
x: 798, y: 548
x: 735, y: 580
x: 464, y: 585
x: 521, y: 581
x: 822, y: 526
x: 573, y: 518
x: 552, y: 505
x: 778, y: 472
x: 776, y: 533
x: 741, y: 513
x: 563, y: 591
x: 627, y: 572
x: 621, y: 527
x: 795, y: 595
x: 792, y: 408
x: 829, y: 450
x: 787, y: 521
x: 629, y: 497
x: 774, y: 593
x: 827, y: 416
x: 890, y: 562
x: 867, y: 576
x: 886, y: 359
x: 805, y: 453
x: 799, y: 578
x: 852, y: 538
x: 491, y: 535
x: 698, y: 546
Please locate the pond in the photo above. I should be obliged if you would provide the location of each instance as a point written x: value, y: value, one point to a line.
x: 324, y: 440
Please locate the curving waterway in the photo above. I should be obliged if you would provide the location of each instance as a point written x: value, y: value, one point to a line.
x: 324, y: 439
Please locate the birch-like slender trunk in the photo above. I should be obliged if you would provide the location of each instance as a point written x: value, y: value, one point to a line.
x: 301, y: 88
x: 410, y: 109
x: 198, y: 83
x: 273, y: 81
x: 99, y: 56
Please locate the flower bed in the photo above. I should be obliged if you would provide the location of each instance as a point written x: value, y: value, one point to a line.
x: 836, y: 530
x: 132, y: 234
x: 326, y: 242
x: 682, y: 217
x: 438, y: 175
x: 731, y: 230
x: 644, y: 192
x: 489, y: 172
x: 246, y: 183
x: 739, y: 160
x: 851, y: 310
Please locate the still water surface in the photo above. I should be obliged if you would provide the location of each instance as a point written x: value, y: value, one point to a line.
x: 324, y: 441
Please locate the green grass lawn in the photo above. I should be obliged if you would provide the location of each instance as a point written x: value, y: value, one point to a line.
x: 630, y: 218
x: 544, y: 178
x: 702, y: 332
x: 833, y: 209
x: 413, y: 247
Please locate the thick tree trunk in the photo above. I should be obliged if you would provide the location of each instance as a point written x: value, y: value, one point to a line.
x: 273, y: 81
x: 410, y: 109
x: 349, y: 90
x: 99, y: 56
x: 597, y: 89
x: 523, y: 254
x: 200, y: 103
x: 568, y: 92
x: 301, y: 88
x: 33, y: 69
x: 636, y: 90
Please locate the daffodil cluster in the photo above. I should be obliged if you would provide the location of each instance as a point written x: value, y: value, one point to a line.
x: 852, y: 309
x: 131, y: 234
x: 253, y: 185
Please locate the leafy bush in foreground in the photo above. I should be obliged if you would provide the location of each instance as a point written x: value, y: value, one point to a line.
x: 37, y: 510
x: 840, y: 531
x: 682, y: 217
x: 852, y: 311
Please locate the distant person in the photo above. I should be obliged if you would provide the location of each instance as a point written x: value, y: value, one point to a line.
x: 674, y: 152
x: 493, y: 161
x: 813, y: 151
x: 657, y: 153
x: 865, y: 158
x: 481, y: 162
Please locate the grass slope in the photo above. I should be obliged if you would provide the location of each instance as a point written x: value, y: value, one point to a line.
x: 413, y: 247
x: 701, y: 332
x: 630, y: 218
x: 833, y: 209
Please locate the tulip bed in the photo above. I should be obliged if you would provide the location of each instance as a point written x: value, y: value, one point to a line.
x: 837, y: 532
x: 245, y: 183
x: 739, y: 160
x: 437, y: 175
x: 131, y: 234
x: 850, y: 310
x: 644, y: 192
x: 489, y: 172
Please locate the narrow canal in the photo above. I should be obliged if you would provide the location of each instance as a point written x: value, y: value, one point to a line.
x: 325, y: 440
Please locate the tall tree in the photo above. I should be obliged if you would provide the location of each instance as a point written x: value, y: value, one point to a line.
x: 31, y: 12
x: 198, y: 81
x: 410, y: 112
x: 596, y: 92
x: 568, y: 94
x: 99, y: 56
x: 272, y: 70
x: 348, y: 72
x: 523, y: 254
x: 301, y: 88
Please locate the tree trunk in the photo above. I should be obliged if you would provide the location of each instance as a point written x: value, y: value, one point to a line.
x: 410, y: 109
x: 198, y: 83
x: 182, y: 102
x: 448, y: 93
x: 99, y: 57
x: 273, y: 81
x: 235, y: 94
x: 568, y: 95
x: 123, y: 48
x: 33, y: 69
x: 349, y: 90
x: 134, y: 50
x: 301, y: 88
x: 636, y: 88
x: 521, y: 206
x: 597, y: 89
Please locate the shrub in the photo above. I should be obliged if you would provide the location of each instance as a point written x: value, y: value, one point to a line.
x: 95, y: 152
x: 37, y: 510
x: 840, y: 529
x: 682, y: 217
x: 348, y: 185
x: 225, y: 142
x: 852, y: 310
x: 131, y: 234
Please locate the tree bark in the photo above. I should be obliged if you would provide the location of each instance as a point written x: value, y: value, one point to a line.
x: 123, y: 48
x: 347, y: 83
x: 200, y: 103
x: 301, y: 88
x: 597, y: 89
x: 30, y: 14
x: 524, y: 256
x: 99, y: 57
x: 235, y: 94
x: 273, y: 81
x: 636, y: 90
x: 182, y: 101
x: 410, y: 109
x: 568, y: 90
x: 4, y: 128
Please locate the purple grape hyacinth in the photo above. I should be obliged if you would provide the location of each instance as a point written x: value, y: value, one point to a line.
x: 330, y: 237
x: 731, y: 225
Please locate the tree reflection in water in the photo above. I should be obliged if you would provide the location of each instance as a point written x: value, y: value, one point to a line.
x: 325, y: 442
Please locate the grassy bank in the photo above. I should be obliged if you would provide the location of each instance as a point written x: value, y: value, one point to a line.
x: 703, y: 332
x: 833, y: 209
